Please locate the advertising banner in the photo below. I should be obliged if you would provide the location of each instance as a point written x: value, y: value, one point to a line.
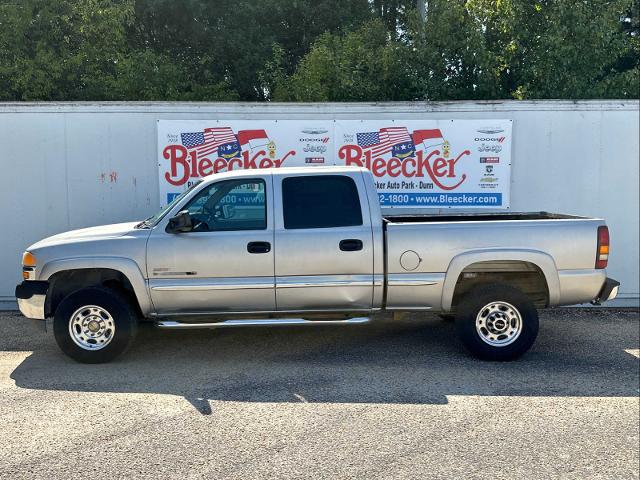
x: 437, y: 163
x: 190, y: 149
x: 415, y: 163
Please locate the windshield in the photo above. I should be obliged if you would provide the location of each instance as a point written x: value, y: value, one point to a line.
x: 153, y: 219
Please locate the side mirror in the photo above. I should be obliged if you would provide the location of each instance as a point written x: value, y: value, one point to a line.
x: 180, y: 223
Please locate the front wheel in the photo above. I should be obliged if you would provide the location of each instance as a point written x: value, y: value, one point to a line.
x: 94, y: 325
x: 497, y: 322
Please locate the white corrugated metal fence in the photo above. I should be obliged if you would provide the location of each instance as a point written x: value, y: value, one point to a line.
x: 72, y: 165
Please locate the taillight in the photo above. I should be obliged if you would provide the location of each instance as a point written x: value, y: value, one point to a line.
x: 602, y: 254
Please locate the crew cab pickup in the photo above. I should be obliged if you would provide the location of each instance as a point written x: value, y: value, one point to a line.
x: 310, y: 246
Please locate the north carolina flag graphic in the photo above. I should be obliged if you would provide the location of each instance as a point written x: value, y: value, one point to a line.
x: 428, y: 138
x: 252, y: 139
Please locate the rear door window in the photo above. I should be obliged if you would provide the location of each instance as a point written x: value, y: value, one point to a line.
x: 320, y: 201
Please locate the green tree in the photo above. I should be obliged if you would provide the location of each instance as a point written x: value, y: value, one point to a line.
x: 478, y: 49
x: 318, y: 50
x: 450, y: 55
x: 365, y: 65
x: 442, y: 57
x: 80, y: 50
x: 238, y: 41
x: 561, y: 49
x: 60, y: 50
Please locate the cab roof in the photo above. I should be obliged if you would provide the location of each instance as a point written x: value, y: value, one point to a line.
x: 282, y: 170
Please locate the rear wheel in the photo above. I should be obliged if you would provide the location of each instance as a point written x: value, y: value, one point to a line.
x: 497, y: 322
x: 94, y: 325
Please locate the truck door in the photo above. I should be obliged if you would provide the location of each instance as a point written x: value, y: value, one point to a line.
x: 324, y: 242
x: 226, y: 262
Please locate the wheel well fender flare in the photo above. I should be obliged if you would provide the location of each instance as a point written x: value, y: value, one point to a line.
x: 540, y: 259
x: 126, y: 266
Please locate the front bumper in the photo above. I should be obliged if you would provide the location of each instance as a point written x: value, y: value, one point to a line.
x: 609, y: 291
x: 31, y: 296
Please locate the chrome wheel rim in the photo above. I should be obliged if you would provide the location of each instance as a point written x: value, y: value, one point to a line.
x: 91, y: 327
x: 499, y: 324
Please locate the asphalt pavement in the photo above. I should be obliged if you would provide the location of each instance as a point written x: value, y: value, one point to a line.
x: 389, y: 400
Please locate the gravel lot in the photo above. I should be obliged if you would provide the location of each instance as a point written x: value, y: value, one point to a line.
x: 391, y: 400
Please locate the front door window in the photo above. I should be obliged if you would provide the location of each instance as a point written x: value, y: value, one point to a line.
x: 230, y: 205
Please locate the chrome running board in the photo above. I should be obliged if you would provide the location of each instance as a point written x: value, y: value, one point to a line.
x: 266, y: 322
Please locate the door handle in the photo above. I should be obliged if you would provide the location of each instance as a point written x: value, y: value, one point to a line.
x: 350, y: 245
x: 258, y: 247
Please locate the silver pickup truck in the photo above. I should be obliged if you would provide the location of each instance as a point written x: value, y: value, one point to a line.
x: 309, y: 246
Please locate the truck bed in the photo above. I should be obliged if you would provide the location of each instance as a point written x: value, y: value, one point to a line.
x: 432, y: 248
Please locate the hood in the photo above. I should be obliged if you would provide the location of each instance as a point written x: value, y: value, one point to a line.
x: 87, y: 234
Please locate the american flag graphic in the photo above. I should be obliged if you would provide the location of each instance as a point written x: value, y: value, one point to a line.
x: 383, y: 141
x: 207, y: 142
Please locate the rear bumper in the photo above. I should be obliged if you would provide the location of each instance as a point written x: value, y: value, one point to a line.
x: 585, y: 286
x: 31, y: 296
x: 609, y: 291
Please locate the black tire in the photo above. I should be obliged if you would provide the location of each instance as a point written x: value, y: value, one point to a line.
x: 475, y: 302
x: 116, y: 305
